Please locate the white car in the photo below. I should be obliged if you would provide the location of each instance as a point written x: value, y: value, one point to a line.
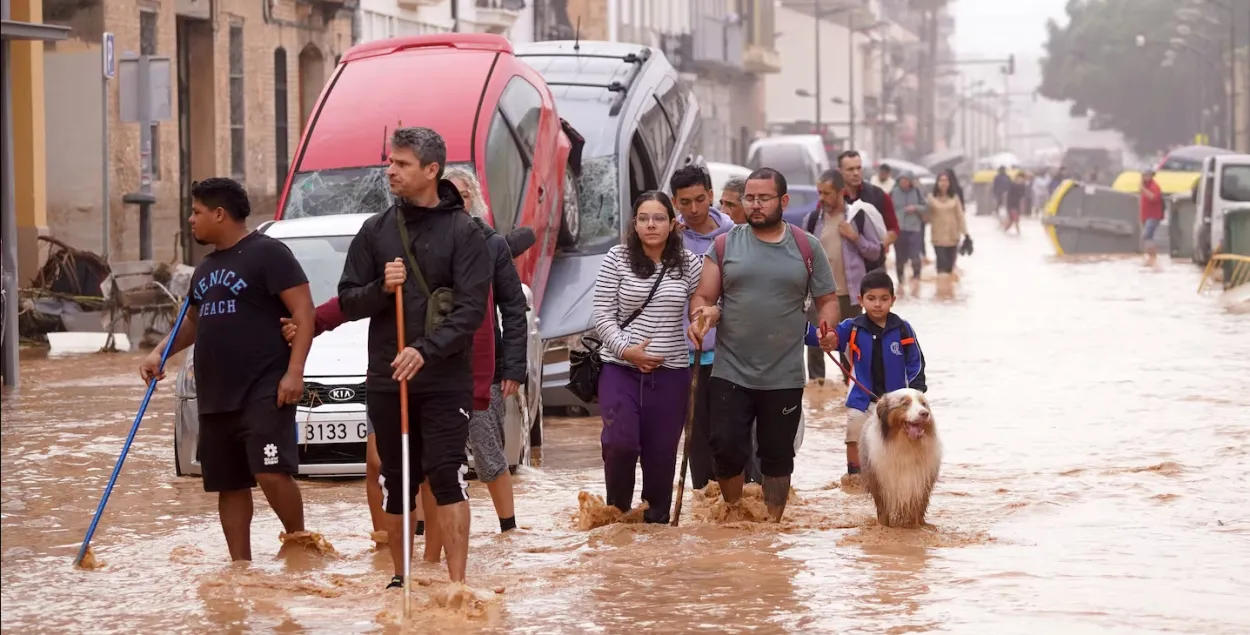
x: 1223, y: 185
x: 331, y: 415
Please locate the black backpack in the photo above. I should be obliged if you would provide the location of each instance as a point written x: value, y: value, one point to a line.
x: 870, y: 265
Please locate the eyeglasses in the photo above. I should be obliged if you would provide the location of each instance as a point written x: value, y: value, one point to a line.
x: 657, y: 219
x: 764, y: 199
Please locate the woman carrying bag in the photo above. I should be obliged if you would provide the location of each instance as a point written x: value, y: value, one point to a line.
x: 640, y: 300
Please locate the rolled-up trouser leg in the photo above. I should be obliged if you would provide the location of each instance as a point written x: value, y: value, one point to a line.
x: 486, y: 438
x: 621, y: 439
x: 701, y: 436
x: 665, y: 396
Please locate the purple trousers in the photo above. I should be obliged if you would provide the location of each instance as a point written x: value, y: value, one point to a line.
x: 643, y: 416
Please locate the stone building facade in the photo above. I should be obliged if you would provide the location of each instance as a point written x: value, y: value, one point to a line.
x: 245, y: 75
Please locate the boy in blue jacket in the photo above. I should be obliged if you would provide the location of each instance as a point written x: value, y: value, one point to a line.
x: 884, y: 354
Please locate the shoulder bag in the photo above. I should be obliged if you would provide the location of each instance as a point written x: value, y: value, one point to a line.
x: 586, y: 365
x: 438, y: 303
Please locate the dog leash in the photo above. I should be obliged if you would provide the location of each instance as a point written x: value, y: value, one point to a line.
x: 824, y: 328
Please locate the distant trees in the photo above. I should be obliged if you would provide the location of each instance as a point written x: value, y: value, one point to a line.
x: 1098, y: 62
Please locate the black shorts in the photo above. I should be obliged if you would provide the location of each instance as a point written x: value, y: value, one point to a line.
x: 776, y: 414
x: 235, y: 446
x: 438, y: 430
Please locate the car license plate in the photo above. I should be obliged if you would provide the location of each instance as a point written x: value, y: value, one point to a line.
x: 332, y: 432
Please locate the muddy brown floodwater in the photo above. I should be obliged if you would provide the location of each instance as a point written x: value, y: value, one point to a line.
x: 1096, y: 419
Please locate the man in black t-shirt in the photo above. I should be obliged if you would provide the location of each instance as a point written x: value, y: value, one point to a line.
x: 247, y: 379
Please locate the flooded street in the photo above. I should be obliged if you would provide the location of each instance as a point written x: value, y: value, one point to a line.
x: 1097, y: 452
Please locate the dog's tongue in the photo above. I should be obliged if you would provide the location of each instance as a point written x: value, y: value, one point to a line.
x: 914, y: 431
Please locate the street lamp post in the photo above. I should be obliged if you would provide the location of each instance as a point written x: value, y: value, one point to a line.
x: 819, y: 130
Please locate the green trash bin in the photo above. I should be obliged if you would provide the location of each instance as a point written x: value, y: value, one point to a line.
x: 1236, y: 237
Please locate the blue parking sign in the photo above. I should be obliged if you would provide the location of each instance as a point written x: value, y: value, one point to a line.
x: 110, y: 57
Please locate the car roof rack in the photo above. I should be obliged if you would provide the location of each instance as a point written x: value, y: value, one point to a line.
x: 636, y: 59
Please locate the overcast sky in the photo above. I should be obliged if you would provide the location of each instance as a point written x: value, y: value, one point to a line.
x: 994, y: 29
x: 1000, y: 27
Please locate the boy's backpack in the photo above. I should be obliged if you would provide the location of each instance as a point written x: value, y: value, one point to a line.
x: 859, y: 220
x: 805, y: 250
x: 907, y: 338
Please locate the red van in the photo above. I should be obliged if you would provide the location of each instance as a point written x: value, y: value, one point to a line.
x: 495, y: 113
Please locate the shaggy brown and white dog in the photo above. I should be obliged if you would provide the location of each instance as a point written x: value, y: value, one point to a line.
x: 901, y: 456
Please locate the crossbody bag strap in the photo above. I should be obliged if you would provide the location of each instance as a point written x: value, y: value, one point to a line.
x: 412, y: 261
x: 637, y: 312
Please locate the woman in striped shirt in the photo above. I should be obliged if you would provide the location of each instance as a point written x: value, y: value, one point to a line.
x: 646, y: 370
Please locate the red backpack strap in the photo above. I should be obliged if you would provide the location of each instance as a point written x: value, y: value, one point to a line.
x: 852, y: 346
x: 805, y: 250
x: 719, y: 244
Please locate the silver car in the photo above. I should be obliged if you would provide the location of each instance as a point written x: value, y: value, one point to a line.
x: 331, y: 415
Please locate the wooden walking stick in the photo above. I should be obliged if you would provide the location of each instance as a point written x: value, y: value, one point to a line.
x: 685, y: 452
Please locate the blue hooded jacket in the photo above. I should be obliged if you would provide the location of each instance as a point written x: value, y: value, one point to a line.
x: 699, y: 244
x: 884, y: 359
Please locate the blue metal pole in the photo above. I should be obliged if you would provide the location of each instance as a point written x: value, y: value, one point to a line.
x: 134, y: 427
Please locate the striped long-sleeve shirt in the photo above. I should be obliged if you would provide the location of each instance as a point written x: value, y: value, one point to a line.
x: 618, y: 293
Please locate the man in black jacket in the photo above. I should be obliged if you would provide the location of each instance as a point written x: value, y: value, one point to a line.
x: 427, y: 248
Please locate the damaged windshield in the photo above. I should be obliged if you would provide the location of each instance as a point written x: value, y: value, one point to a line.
x: 360, y: 190
x: 589, y: 111
x: 599, y: 205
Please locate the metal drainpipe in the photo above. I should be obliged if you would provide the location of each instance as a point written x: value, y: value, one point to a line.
x: 455, y: 16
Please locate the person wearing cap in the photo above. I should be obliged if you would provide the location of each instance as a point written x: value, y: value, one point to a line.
x: 1151, y: 207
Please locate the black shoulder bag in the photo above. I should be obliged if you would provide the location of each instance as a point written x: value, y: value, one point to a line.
x: 438, y: 303
x: 585, y: 365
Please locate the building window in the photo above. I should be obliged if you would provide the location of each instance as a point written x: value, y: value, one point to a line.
x: 281, y: 116
x: 147, y: 46
x: 238, y: 151
x: 506, y: 169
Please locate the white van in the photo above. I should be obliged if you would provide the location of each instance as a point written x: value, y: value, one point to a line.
x: 801, y: 158
x: 1223, y: 185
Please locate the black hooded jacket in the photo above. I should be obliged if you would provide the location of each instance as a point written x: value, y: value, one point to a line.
x: 510, y: 300
x: 451, y: 252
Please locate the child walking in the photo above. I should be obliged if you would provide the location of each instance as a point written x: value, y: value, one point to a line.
x: 884, y: 355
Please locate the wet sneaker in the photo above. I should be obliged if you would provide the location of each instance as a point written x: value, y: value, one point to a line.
x: 397, y: 582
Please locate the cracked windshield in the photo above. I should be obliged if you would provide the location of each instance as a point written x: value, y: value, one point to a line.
x: 808, y: 317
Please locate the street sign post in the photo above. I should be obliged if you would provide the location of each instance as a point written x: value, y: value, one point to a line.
x: 145, y: 97
x: 108, y: 57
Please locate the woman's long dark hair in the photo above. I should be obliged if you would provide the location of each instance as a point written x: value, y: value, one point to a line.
x: 672, y: 257
x: 955, y: 189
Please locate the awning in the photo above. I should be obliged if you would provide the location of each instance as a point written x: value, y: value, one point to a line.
x: 15, y: 30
